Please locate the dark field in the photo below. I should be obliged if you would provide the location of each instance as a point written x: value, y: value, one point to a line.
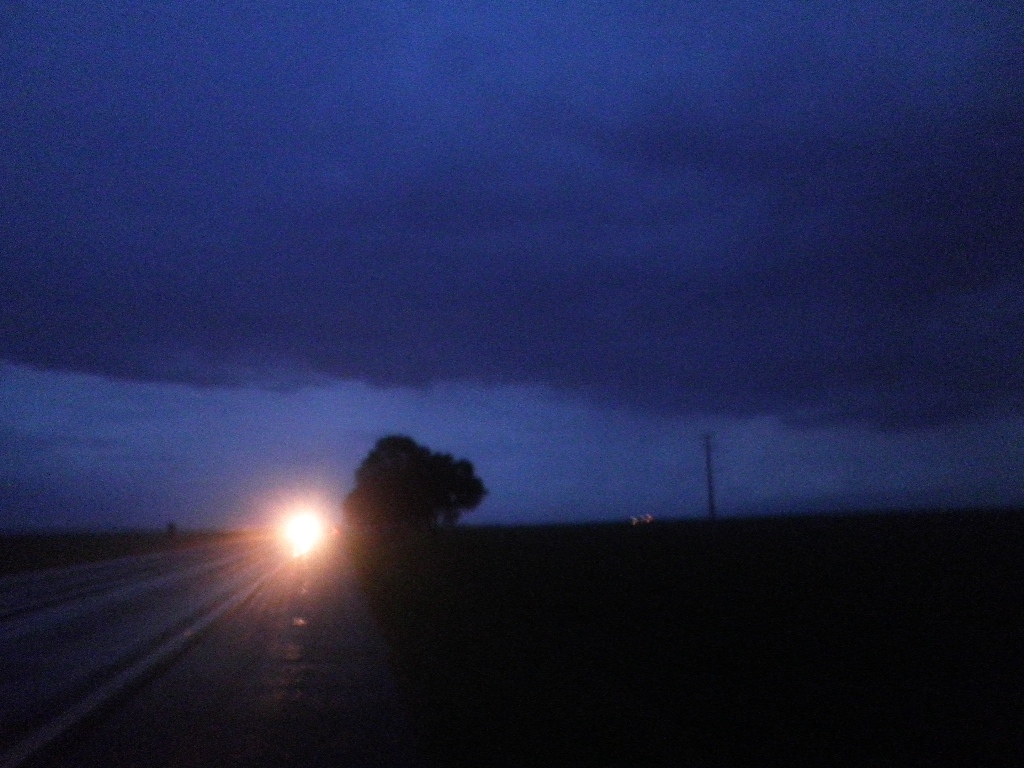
x: 862, y: 640
x: 26, y: 552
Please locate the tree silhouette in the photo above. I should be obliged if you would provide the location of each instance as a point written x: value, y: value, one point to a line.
x: 402, y: 483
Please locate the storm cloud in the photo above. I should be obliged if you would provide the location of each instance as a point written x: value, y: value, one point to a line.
x: 809, y: 211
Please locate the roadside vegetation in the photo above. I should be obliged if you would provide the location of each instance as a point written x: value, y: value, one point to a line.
x: 875, y: 639
x: 402, y: 484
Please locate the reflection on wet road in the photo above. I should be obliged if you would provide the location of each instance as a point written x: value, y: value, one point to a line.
x: 297, y: 675
x: 64, y: 632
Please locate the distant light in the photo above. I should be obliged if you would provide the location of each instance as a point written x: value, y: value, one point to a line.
x: 304, y: 531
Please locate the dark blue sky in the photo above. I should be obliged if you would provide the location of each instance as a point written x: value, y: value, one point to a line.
x: 239, y: 242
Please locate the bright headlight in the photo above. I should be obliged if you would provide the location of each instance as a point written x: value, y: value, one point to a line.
x: 304, y: 531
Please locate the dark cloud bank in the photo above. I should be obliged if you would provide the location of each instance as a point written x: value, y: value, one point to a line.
x: 752, y: 210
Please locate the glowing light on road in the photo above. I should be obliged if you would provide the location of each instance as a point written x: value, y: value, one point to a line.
x: 304, y: 531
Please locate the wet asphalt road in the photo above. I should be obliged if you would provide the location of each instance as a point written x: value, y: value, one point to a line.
x: 296, y: 676
x: 65, y: 631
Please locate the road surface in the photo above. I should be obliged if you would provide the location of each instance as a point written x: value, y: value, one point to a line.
x: 217, y: 656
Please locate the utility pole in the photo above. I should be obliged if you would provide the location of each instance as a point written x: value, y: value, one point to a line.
x: 711, y: 475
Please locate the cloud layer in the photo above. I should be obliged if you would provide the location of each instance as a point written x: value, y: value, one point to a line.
x: 740, y: 209
x: 84, y: 451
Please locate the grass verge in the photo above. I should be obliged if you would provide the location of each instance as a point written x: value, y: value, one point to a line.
x: 857, y: 640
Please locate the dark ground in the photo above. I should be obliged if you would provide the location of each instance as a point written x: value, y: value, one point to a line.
x: 861, y: 640
x: 33, y: 551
